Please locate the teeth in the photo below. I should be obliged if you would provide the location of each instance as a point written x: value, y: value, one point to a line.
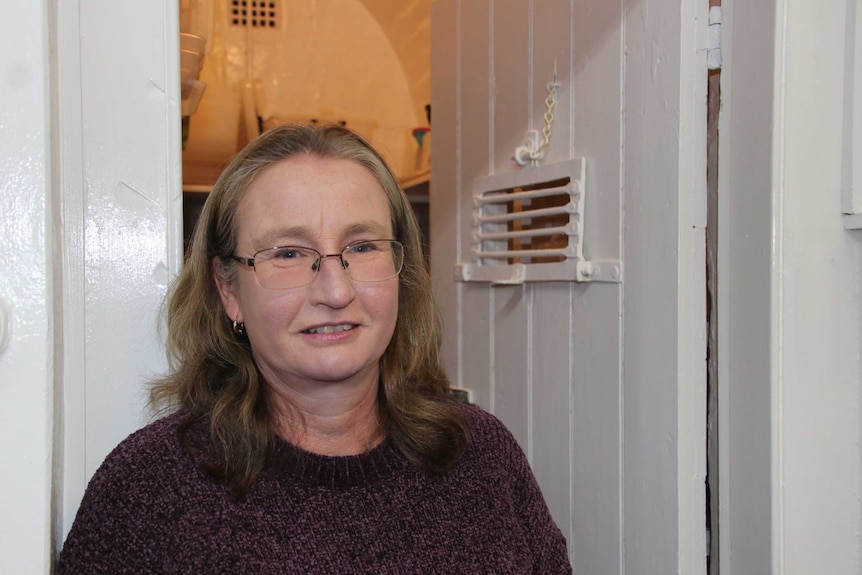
x: 330, y: 328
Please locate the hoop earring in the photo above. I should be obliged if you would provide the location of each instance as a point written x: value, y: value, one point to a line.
x: 238, y: 328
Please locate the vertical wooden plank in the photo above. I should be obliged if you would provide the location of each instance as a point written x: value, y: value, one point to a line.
x: 477, y: 327
x: 664, y: 348
x: 597, y: 111
x: 596, y: 380
x: 650, y: 292
x: 747, y: 137
x: 551, y: 331
x: 512, y: 82
x: 552, y: 51
x: 444, y: 192
x: 510, y: 304
x: 691, y: 281
x: 511, y: 359
x: 551, y: 373
x: 851, y: 197
x: 596, y: 430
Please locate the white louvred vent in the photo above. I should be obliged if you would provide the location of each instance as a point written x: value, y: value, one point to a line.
x: 528, y: 226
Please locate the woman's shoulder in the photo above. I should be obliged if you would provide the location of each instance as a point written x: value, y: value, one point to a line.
x: 132, y: 503
x: 144, y: 454
x: 487, y: 432
x: 493, y: 456
x: 145, y: 472
x: 477, y: 417
x: 154, y: 438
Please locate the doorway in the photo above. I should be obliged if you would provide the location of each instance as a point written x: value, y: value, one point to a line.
x: 266, y: 62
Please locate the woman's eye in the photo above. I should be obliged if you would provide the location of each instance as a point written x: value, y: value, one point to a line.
x: 362, y: 248
x: 287, y: 254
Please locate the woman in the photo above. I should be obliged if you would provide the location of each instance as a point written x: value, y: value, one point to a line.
x: 310, y: 427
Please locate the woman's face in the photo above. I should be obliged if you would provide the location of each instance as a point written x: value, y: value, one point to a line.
x: 334, y: 330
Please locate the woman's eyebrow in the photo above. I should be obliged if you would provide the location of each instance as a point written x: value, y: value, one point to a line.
x: 365, y: 227
x: 278, y: 236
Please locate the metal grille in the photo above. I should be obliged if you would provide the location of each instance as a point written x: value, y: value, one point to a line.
x: 528, y: 226
x: 254, y: 13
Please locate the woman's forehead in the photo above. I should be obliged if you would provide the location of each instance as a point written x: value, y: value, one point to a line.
x: 308, y: 196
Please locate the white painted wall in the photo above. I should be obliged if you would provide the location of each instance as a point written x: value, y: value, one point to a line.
x: 791, y: 324
x: 603, y: 384
x: 90, y: 198
x: 27, y: 321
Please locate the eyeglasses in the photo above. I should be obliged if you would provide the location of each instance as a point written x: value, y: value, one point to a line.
x: 286, y: 267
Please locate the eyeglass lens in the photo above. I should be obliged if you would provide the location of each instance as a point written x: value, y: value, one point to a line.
x: 292, y: 266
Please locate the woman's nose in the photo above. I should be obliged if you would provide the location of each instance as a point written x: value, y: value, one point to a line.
x: 319, y: 262
x: 331, y: 285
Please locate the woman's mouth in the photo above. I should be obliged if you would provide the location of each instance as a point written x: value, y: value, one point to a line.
x: 330, y: 328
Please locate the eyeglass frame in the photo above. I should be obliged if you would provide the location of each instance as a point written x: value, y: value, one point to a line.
x: 315, y: 265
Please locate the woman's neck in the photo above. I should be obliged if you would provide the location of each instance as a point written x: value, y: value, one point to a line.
x: 329, y: 420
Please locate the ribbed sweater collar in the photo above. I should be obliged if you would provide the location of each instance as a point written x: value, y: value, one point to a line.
x: 337, y: 472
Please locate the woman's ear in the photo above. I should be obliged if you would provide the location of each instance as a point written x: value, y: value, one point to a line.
x: 226, y: 289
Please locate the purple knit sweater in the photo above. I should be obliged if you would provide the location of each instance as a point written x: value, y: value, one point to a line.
x: 150, y: 509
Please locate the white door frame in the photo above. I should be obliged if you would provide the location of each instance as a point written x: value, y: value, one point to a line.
x: 118, y: 204
x: 790, y: 325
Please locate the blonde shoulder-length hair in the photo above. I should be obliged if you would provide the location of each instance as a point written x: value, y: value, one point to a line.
x: 214, y: 378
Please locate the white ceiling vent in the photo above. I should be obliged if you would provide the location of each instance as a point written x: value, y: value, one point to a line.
x: 254, y: 13
x: 529, y: 226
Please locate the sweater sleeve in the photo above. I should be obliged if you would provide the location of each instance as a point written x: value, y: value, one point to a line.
x: 124, y: 522
x: 550, y: 554
x: 546, y: 541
